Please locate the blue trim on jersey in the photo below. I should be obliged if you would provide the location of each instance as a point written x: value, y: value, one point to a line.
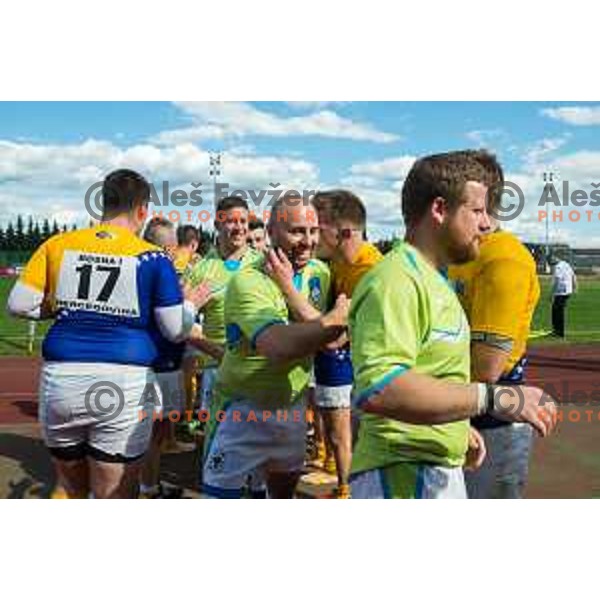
x: 385, y: 486
x: 232, y: 265
x: 221, y: 493
x: 378, y: 387
x: 420, y: 483
x: 297, y: 281
x: 261, y: 329
x: 412, y: 260
x: 231, y: 494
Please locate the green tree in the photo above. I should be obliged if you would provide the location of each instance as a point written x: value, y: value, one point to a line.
x: 29, y: 235
x: 10, y: 237
x: 46, y: 233
x: 36, y: 239
x: 20, y: 238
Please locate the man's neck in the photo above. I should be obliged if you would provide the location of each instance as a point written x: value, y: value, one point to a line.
x: 424, y: 242
x: 121, y: 221
x: 228, y: 253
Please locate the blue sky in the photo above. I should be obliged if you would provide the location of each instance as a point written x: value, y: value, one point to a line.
x: 50, y: 153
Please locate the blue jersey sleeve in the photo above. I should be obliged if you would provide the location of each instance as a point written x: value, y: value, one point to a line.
x: 166, y: 289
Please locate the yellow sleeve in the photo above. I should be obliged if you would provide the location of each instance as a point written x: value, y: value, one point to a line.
x: 35, y: 273
x: 500, y: 298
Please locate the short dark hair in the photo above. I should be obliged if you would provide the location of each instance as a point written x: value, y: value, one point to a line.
x: 341, y: 205
x: 123, y: 191
x: 152, y: 231
x: 186, y: 234
x: 230, y: 202
x: 445, y: 175
x: 256, y: 223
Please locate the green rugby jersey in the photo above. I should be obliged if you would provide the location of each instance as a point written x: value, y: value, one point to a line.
x: 253, y: 302
x: 218, y: 273
x: 405, y: 315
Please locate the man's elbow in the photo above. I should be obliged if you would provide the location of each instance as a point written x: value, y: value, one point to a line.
x: 272, y: 349
x: 487, y: 373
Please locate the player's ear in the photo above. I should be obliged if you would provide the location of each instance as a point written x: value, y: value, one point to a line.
x: 439, y: 210
x: 142, y: 213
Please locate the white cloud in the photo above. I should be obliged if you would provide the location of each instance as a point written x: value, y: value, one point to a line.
x: 51, y: 180
x: 574, y: 115
x: 395, y: 168
x: 220, y: 120
x: 538, y: 154
x: 485, y: 138
x: 314, y: 104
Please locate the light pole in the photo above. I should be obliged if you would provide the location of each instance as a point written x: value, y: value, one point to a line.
x: 215, y: 171
x: 549, y: 177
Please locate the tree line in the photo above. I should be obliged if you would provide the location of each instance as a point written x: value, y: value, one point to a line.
x: 27, y: 235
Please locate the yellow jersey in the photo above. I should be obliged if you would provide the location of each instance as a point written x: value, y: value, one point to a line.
x: 345, y: 276
x: 499, y: 291
x: 333, y: 368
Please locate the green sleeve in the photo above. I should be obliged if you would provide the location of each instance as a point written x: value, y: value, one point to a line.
x: 388, y: 325
x: 251, y: 306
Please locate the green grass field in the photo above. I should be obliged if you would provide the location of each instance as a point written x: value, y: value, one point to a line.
x: 13, y: 332
x: 583, y: 318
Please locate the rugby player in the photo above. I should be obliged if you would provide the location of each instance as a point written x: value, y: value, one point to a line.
x: 108, y: 291
x: 411, y: 344
x: 257, y: 235
x: 499, y: 291
x: 186, y: 253
x: 168, y: 368
x: 216, y: 269
x: 342, y: 225
x: 267, y: 363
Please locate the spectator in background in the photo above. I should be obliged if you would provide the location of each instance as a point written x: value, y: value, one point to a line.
x: 564, y: 283
x: 257, y: 235
x: 188, y: 242
x: 184, y: 257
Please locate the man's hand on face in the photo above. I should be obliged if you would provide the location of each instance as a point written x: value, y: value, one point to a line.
x: 280, y: 269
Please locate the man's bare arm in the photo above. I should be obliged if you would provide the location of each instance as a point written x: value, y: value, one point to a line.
x: 283, y: 343
x: 488, y: 361
x: 423, y: 400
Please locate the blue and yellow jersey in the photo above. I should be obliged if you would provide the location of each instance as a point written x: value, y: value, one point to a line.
x: 333, y: 368
x: 499, y: 292
x: 103, y: 285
